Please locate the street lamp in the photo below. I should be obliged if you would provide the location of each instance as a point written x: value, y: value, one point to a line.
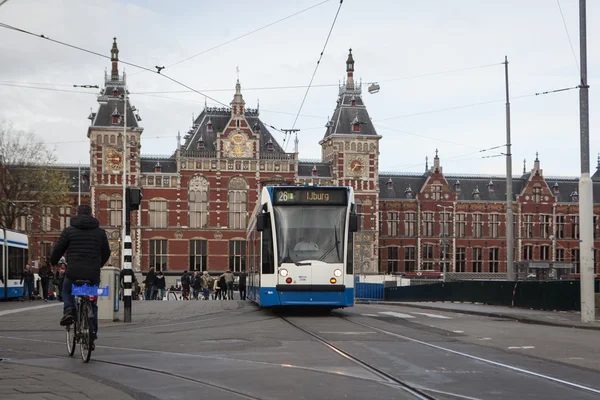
x: 444, y: 241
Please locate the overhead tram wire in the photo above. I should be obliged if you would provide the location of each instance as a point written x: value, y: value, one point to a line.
x: 6, y: 26
x: 285, y: 143
x: 244, y: 35
x: 568, y: 36
x: 45, y: 88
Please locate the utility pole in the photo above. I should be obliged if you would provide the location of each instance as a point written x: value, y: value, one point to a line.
x: 126, y: 252
x: 510, y: 240
x: 586, y: 201
x: 79, y: 187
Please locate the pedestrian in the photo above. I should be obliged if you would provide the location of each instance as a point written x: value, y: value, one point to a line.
x: 27, y: 280
x: 223, y: 287
x: 45, y: 274
x: 160, y: 285
x: 206, y: 284
x: 242, y: 286
x: 197, y: 284
x: 150, y: 282
x: 229, y: 278
x: 185, y: 285
x: 62, y: 268
x: 217, y: 288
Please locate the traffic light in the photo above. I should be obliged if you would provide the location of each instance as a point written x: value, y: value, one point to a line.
x: 134, y: 198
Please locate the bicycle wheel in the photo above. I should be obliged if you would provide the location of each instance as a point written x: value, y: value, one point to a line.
x: 71, y: 338
x: 85, y: 341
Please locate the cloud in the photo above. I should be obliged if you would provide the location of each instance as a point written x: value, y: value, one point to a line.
x: 390, y: 39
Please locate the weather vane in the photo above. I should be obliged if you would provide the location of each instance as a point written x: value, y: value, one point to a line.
x: 237, y: 71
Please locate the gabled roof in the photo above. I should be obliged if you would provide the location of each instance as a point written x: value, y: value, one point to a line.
x: 168, y: 165
x: 469, y: 184
x: 109, y: 103
x: 305, y: 169
x: 219, y: 117
x: 344, y: 115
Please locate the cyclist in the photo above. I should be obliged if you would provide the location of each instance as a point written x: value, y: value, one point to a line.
x: 87, y: 251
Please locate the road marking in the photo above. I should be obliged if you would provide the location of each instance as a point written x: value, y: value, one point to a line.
x: 485, y: 360
x: 521, y: 347
x: 350, y: 333
x: 396, y: 314
x: 18, y: 310
x: 431, y: 315
x: 575, y: 358
x: 458, y: 331
x: 485, y: 338
x: 369, y: 315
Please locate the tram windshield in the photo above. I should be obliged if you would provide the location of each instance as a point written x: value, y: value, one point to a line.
x: 310, y: 233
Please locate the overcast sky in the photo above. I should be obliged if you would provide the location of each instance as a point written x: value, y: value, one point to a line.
x: 394, y: 42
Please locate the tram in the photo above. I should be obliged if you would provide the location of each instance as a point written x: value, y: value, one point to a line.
x: 14, y: 253
x: 300, y: 247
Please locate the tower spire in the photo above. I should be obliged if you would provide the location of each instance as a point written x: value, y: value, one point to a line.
x: 238, y: 102
x: 114, y: 58
x: 350, y: 71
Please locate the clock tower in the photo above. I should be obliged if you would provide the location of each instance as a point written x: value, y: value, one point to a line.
x: 108, y: 148
x: 351, y: 146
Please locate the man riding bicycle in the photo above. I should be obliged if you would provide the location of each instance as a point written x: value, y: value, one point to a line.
x: 87, y: 251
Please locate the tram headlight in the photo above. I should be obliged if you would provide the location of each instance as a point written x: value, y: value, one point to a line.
x: 337, y: 272
x: 283, y: 272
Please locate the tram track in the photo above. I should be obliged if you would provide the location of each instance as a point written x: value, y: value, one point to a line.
x: 419, y: 393
x: 504, y: 366
x: 200, y: 382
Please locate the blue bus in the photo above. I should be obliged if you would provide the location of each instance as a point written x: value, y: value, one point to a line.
x: 14, y: 254
x: 300, y: 247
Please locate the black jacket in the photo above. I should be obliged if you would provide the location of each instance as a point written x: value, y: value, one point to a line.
x: 160, y: 282
x: 86, y: 246
x: 150, y: 279
x: 45, y: 273
x: 242, y: 281
x: 27, y: 276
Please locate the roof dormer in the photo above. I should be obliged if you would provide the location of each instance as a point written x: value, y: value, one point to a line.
x: 390, y: 183
x: 157, y: 167
x: 457, y: 186
x: 490, y: 186
x: 408, y: 192
x: 475, y: 193
x: 116, y: 117
x: 314, y: 172
x: 355, y: 124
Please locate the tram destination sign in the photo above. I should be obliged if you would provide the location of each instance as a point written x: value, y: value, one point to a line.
x: 302, y: 196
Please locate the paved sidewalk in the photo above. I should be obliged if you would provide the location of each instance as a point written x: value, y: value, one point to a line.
x: 25, y: 382
x: 569, y: 319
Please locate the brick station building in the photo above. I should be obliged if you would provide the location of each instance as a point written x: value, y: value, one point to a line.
x: 197, y: 200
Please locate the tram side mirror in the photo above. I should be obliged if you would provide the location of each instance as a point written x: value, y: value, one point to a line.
x: 262, y: 221
x: 353, y: 223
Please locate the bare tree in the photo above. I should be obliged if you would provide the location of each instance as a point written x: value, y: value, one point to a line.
x: 28, y: 176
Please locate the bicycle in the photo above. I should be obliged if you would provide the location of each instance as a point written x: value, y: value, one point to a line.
x: 81, y: 331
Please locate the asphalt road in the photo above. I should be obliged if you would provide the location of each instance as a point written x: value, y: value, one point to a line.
x: 231, y: 349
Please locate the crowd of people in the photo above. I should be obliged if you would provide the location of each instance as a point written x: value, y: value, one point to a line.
x: 196, y: 286
x: 50, y: 281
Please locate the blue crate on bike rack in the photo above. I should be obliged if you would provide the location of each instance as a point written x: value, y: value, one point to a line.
x: 85, y: 290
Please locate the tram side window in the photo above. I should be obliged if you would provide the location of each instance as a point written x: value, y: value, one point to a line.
x: 16, y: 262
x: 268, y: 256
x: 350, y: 257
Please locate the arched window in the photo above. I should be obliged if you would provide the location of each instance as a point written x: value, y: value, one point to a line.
x: 238, y: 203
x: 198, y: 202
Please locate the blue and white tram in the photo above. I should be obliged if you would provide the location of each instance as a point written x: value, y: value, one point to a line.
x: 300, y: 247
x: 14, y: 253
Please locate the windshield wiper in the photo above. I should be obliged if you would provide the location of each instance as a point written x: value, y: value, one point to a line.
x: 335, y: 246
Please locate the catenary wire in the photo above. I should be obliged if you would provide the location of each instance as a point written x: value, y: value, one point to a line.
x: 567, y: 31
x: 6, y: 26
x: 244, y: 35
x: 315, y: 71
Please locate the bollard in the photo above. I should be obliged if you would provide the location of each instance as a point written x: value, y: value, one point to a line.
x: 108, y: 306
